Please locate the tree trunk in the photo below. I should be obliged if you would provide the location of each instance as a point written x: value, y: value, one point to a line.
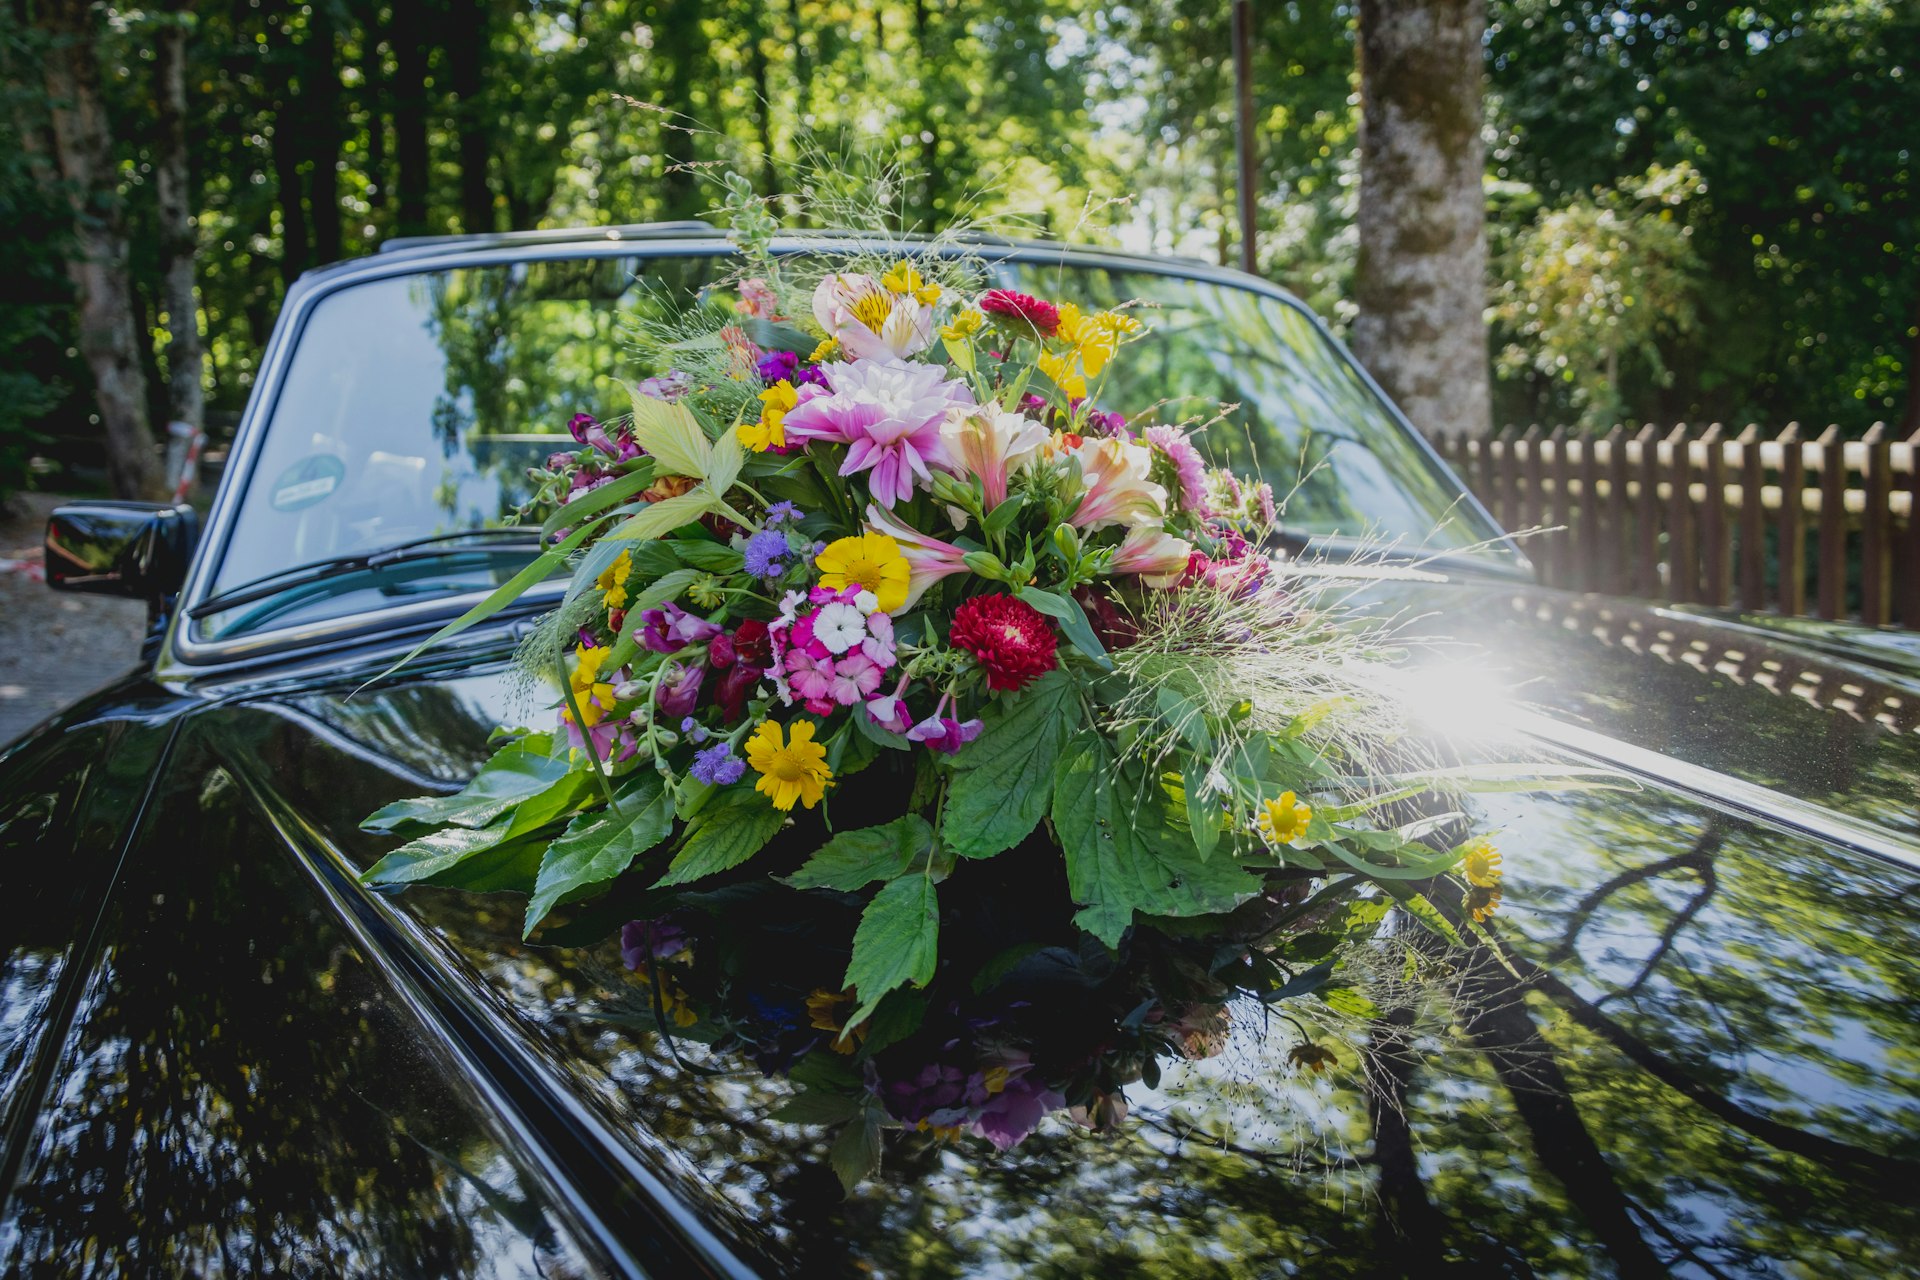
x: 179, y: 243
x: 1420, y: 282
x: 683, y: 40
x: 320, y: 86
x: 83, y: 151
x: 296, y: 253
x: 466, y: 46
x: 409, y: 102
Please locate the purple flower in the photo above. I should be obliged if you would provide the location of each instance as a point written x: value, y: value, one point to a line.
x: 766, y: 553
x: 578, y: 426
x: 670, y: 629
x: 657, y: 939
x: 782, y: 513
x: 680, y: 689
x: 777, y: 366
x: 890, y: 712
x: 669, y: 386
x: 944, y: 733
x: 937, y: 1095
x: 888, y: 413
x: 717, y: 766
x: 1007, y: 1117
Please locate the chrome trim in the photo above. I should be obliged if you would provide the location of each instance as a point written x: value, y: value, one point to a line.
x: 182, y: 650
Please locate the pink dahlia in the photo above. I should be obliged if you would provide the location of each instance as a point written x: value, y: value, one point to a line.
x: 1186, y: 463
x: 1020, y: 313
x: 1010, y: 638
x: 888, y: 413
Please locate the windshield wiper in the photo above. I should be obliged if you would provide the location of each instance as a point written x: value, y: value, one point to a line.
x: 301, y: 575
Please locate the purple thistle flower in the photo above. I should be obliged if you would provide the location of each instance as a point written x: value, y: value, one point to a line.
x: 766, y: 553
x: 717, y: 766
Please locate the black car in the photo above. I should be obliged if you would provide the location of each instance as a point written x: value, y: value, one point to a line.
x: 221, y: 1054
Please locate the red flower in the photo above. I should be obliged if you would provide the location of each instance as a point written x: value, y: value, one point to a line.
x: 1009, y: 637
x: 741, y: 658
x: 1020, y: 313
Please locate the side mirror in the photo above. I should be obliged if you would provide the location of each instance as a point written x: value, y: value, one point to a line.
x: 136, y: 549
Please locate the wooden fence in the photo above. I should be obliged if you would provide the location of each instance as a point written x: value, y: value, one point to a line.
x: 1821, y: 526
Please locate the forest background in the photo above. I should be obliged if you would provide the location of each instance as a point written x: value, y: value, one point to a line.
x: 1694, y: 210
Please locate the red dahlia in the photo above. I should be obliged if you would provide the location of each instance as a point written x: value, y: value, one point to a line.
x: 1020, y: 313
x: 1012, y: 641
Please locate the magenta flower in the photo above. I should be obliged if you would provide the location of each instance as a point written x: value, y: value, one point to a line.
x: 888, y: 414
x: 945, y: 734
x: 1172, y: 444
x: 680, y: 689
x: 890, y: 711
x: 670, y: 629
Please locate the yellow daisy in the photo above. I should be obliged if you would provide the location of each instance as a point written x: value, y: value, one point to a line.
x: 904, y: 279
x: 1284, y: 820
x: 793, y: 768
x: 1480, y: 863
x: 592, y: 694
x: 613, y: 580
x: 771, y: 431
x: 870, y: 560
x: 1483, y: 902
x: 963, y: 326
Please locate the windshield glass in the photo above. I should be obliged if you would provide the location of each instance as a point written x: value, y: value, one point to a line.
x: 414, y: 405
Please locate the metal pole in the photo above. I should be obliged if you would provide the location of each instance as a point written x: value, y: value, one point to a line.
x: 1243, y: 94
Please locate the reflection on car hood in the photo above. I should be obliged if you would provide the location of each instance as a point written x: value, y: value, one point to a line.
x: 1704, y: 1057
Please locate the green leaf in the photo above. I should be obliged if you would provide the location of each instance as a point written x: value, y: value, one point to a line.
x: 431, y: 854
x: 855, y: 859
x: 899, y: 1016
x: 1418, y: 906
x: 599, y: 846
x: 778, y: 337
x: 724, y: 463
x: 896, y: 943
x: 594, y: 501
x: 1123, y: 856
x: 1002, y: 787
x: 508, y: 867
x: 657, y: 519
x: 1072, y: 618
x: 712, y: 557
x: 516, y: 772
x: 1203, y: 814
x: 960, y: 351
x: 997, y: 521
x: 667, y: 586
x: 732, y: 828
x: 856, y: 1152
x: 1347, y: 1001
x: 672, y: 436
x: 811, y: 1106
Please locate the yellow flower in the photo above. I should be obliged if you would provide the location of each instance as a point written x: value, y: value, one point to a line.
x: 827, y: 1011
x: 593, y: 695
x: 791, y: 769
x: 1284, y: 820
x: 827, y: 350
x: 771, y: 431
x: 673, y: 1000
x: 1480, y: 863
x: 870, y: 560
x: 1063, y: 368
x: 1311, y: 1056
x: 904, y: 279
x: 964, y: 326
x: 1483, y: 902
x: 613, y: 580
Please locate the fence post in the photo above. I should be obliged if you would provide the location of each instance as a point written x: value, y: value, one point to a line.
x: 1591, y: 559
x: 1876, y: 529
x: 1909, y: 569
x: 1619, y: 578
x: 1489, y: 472
x: 1646, y: 515
x: 1683, y: 552
x: 1792, y: 597
x: 1558, y: 509
x: 1831, y: 574
x: 1714, y: 545
x: 1753, y: 527
x: 1532, y: 501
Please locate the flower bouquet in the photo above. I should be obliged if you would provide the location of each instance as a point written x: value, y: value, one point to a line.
x: 875, y: 606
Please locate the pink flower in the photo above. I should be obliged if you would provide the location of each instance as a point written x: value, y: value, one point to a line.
x: 890, y: 711
x: 945, y: 734
x: 757, y: 300
x: 1020, y: 313
x: 990, y: 443
x: 928, y: 559
x: 1114, y: 475
x: 888, y: 413
x: 1156, y: 555
x: 871, y: 322
x: 825, y: 683
x: 1172, y: 444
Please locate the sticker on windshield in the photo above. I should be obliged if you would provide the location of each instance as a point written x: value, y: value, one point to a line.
x: 307, y: 481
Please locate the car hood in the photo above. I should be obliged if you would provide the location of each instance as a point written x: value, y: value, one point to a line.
x: 1698, y: 1050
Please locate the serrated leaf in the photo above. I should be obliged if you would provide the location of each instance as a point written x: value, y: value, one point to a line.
x: 596, y: 847
x: 855, y: 1153
x: 657, y: 519
x: 855, y: 859
x: 669, y: 433
x: 711, y: 557
x: 735, y: 826
x: 427, y: 856
x: 897, y: 941
x: 811, y: 1106
x: 516, y: 772
x: 1005, y: 777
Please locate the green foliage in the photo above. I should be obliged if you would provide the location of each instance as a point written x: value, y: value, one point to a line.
x: 896, y: 943
x: 735, y: 826
x: 599, y: 846
x: 855, y: 859
x: 518, y: 771
x: 1000, y: 791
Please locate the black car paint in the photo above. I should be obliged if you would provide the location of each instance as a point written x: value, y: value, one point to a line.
x: 223, y: 1055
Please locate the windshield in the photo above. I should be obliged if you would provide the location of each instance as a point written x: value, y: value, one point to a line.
x: 414, y: 405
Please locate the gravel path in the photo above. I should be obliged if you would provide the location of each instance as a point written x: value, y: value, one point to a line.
x: 54, y: 647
